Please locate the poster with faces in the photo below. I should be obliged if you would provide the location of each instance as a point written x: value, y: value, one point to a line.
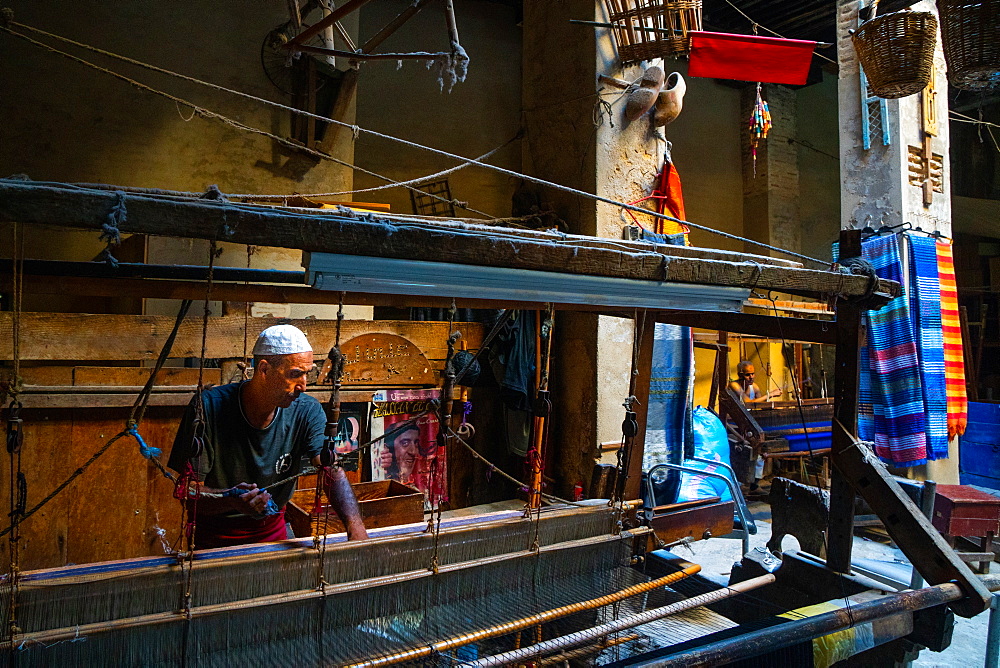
x: 409, y: 453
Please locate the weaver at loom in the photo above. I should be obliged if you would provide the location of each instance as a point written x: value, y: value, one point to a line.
x: 243, y: 439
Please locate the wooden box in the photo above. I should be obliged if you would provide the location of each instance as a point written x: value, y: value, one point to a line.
x: 697, y: 520
x: 383, y: 503
x: 960, y: 510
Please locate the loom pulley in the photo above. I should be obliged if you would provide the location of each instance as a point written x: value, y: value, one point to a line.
x: 15, y: 433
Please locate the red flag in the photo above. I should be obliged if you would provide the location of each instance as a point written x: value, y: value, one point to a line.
x: 750, y: 58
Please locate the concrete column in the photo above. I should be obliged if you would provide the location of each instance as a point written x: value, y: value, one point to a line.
x: 883, y: 185
x: 573, y: 139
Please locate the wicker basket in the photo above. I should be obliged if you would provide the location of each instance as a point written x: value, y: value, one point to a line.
x: 970, y: 35
x: 896, y: 51
x: 647, y: 29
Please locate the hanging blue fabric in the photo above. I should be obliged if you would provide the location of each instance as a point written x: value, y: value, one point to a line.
x: 924, y: 290
x: 896, y: 385
x: 668, y: 419
x: 146, y: 451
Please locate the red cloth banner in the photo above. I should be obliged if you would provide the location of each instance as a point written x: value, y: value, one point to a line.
x: 749, y: 58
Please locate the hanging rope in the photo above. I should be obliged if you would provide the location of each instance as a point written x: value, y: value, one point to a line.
x: 190, y: 484
x: 444, y: 431
x: 209, y: 114
x: 630, y: 425
x: 110, y: 232
x: 17, y: 483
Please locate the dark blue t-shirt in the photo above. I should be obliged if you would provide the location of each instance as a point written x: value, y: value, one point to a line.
x: 236, y: 452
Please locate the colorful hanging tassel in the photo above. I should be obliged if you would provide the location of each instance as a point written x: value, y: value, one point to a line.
x: 760, y: 125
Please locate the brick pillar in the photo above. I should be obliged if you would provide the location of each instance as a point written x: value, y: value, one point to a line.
x: 771, y: 189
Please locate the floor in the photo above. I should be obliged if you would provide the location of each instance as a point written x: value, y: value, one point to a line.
x: 968, y: 647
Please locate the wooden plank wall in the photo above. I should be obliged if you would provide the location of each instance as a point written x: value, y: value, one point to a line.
x: 118, y: 507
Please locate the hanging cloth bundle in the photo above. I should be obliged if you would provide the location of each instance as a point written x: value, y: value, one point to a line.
x: 924, y: 290
x: 668, y: 198
x: 760, y: 126
x: 954, y: 361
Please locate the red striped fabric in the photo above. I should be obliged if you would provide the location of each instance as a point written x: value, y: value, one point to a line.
x: 954, y: 362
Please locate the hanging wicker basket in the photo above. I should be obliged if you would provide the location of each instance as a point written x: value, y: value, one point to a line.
x: 970, y: 35
x: 647, y: 29
x: 896, y: 51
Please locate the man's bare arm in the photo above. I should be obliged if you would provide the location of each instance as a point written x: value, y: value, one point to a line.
x: 343, y: 501
x: 252, y: 502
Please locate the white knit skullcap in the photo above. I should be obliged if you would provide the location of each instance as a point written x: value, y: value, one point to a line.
x: 281, y: 340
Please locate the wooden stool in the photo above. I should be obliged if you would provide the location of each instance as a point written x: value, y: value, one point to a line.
x: 960, y: 510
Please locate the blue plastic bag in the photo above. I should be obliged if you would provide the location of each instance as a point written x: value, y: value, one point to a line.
x: 710, y: 442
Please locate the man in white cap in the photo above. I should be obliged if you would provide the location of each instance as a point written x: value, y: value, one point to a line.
x: 255, y: 434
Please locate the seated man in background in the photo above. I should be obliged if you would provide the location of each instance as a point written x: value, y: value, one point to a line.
x: 255, y: 434
x: 745, y: 387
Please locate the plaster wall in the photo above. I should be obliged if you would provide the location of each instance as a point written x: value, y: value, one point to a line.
x: 705, y: 149
x: 65, y: 122
x: 476, y: 116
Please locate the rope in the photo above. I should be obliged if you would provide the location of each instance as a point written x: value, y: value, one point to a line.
x: 138, y: 411
x: 395, y: 184
x: 325, y: 119
x: 756, y: 25
x: 521, y: 485
x: 212, y: 115
x: 17, y: 484
x: 13, y: 387
x: 109, y: 228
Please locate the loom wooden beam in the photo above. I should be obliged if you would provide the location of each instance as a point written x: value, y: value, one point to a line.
x: 640, y: 390
x: 840, y: 538
x: 385, y: 237
x: 349, y: 81
x: 70, y: 336
x: 415, y: 55
x: 790, y: 329
x: 326, y: 22
x: 277, y: 294
x: 388, y: 29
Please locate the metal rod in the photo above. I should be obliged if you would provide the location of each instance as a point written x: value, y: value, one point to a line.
x: 993, y: 633
x: 756, y: 643
x: 631, y: 621
x: 525, y: 622
x: 584, y: 651
x: 352, y: 55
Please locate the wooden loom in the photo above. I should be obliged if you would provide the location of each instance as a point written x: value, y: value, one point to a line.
x: 262, y: 601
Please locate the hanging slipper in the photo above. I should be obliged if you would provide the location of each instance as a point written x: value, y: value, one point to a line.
x: 670, y: 100
x: 643, y: 98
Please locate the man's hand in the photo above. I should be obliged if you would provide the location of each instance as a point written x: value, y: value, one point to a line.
x: 774, y: 393
x: 253, y: 502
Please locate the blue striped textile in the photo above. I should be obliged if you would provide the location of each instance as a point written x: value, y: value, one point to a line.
x: 924, y: 291
x: 668, y: 419
x: 896, y: 387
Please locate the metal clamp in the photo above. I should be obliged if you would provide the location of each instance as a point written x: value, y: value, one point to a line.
x: 15, y: 434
